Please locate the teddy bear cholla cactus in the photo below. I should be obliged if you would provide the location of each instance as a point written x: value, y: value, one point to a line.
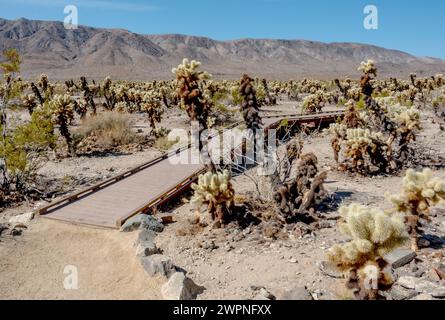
x: 302, y: 195
x: 421, y: 191
x: 373, y: 233
x: 215, y: 190
x: 188, y: 79
x: 62, y: 107
x: 250, y: 105
x: 151, y: 104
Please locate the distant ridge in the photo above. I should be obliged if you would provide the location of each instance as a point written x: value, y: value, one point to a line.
x: 47, y: 47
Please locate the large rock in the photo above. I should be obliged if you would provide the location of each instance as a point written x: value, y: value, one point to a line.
x: 22, y: 219
x: 400, y: 257
x: 179, y: 287
x: 158, y: 264
x: 298, y: 293
x: 142, y: 221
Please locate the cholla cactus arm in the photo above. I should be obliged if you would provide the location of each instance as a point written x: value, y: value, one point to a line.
x: 215, y: 190
x: 421, y: 191
x: 373, y: 233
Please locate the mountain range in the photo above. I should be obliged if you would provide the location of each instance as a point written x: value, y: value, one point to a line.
x: 47, y: 47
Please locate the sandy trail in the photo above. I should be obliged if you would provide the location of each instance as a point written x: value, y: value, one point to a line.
x: 32, y: 266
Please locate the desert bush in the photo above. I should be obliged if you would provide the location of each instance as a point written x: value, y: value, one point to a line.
x: 373, y: 233
x: 106, y: 131
x: 25, y: 148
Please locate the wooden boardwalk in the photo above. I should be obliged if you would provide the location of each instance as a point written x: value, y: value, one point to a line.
x: 111, y: 202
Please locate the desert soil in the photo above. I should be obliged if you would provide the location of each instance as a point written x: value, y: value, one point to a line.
x: 228, y: 262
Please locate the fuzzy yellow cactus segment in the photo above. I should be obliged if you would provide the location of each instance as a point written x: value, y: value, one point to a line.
x: 152, y: 106
x: 373, y: 233
x: 215, y: 190
x: 421, y: 191
x: 359, y: 138
x: 188, y: 71
x: 368, y: 67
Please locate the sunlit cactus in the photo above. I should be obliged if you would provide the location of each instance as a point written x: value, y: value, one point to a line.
x: 215, y: 190
x: 62, y: 107
x: 372, y: 234
x: 152, y: 105
x: 421, y: 191
x: 29, y: 102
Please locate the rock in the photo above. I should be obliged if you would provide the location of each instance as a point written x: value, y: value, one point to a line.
x: 179, y: 287
x: 145, y: 249
x: 407, y: 282
x: 293, y: 260
x: 22, y: 219
x: 15, y: 232
x: 400, y: 257
x: 270, y: 230
x: 326, y: 224
x: 167, y: 219
x: 423, y: 243
x: 145, y: 237
x: 298, y: 293
x: 422, y: 286
x: 431, y: 288
x: 266, y: 294
x: 329, y: 270
x: 399, y: 293
x: 440, y: 270
x: 433, y: 275
x: 158, y: 264
x: 142, y: 221
x: 423, y: 297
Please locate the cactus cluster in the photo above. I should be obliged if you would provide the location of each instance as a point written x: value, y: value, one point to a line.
x: 421, y: 191
x: 215, y: 190
x: 302, y: 195
x: 372, y: 233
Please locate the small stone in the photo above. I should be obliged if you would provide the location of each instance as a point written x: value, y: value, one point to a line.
x: 158, y: 264
x: 433, y: 275
x: 167, y: 219
x: 440, y: 271
x: 326, y: 224
x: 22, y: 219
x: 400, y: 257
x: 180, y: 287
x: 145, y: 249
x: 293, y: 260
x: 15, y: 232
x: 423, y: 243
x: 407, y: 282
x: 298, y: 293
x: 266, y: 294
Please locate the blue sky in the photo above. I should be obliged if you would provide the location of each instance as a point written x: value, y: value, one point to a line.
x: 407, y: 25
